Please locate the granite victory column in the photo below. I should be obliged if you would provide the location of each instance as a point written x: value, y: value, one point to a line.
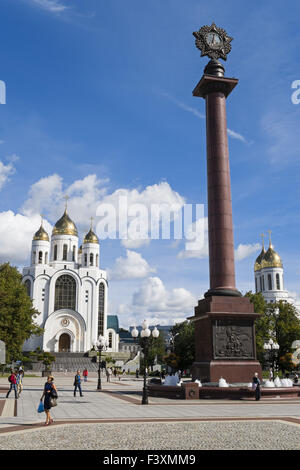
x: 224, y: 320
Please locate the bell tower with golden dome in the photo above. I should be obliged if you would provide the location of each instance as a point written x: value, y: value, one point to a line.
x: 268, y: 272
x: 64, y: 240
x: 40, y: 247
x: 90, y: 249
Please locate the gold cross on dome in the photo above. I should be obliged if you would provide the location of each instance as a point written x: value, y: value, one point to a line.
x: 263, y: 239
x: 92, y: 219
x: 66, y: 197
x: 270, y: 231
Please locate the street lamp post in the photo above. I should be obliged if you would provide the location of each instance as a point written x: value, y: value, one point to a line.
x: 273, y: 347
x: 101, y: 344
x: 172, y: 345
x: 145, y: 333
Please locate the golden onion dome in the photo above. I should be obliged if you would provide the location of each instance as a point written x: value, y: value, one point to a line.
x: 41, y: 234
x: 258, y: 261
x: 91, y: 237
x: 271, y: 259
x: 65, y: 226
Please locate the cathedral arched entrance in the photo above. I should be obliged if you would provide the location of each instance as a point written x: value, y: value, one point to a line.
x: 64, y: 344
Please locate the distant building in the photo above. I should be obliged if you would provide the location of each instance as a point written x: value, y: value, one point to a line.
x: 113, y: 333
x: 128, y: 343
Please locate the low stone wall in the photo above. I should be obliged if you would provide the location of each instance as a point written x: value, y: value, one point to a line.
x: 191, y: 391
x: 187, y: 391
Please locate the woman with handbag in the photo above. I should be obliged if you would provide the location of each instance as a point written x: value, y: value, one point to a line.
x: 50, y: 394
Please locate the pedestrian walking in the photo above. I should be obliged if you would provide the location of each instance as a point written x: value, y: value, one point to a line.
x: 115, y: 372
x: 13, y: 384
x: 19, y: 378
x: 256, y: 386
x: 137, y: 373
x: 49, y: 393
x: 108, y: 374
x: 85, y: 374
x: 77, y: 383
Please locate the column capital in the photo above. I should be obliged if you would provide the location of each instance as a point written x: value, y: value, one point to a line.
x: 210, y: 84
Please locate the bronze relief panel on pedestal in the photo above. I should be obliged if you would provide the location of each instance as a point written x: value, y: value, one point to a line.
x: 233, y: 339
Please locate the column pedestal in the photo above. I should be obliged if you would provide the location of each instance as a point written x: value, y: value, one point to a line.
x: 225, y: 340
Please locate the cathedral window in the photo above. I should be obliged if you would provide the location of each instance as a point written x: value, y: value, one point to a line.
x: 269, y: 282
x: 110, y: 340
x: 97, y: 260
x: 256, y: 290
x: 85, y: 259
x: 65, y: 252
x: 65, y: 292
x: 55, y: 253
x: 263, y: 283
x: 73, y: 254
x: 46, y: 257
x: 101, y: 309
x: 40, y: 257
x: 33, y: 257
x: 91, y: 259
x: 27, y: 284
x: 277, y: 281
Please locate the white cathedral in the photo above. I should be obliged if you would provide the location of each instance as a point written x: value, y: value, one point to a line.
x: 268, y: 272
x: 69, y: 290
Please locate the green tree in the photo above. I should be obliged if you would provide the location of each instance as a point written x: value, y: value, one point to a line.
x: 286, y: 363
x: 171, y: 360
x: 16, y: 312
x: 184, y: 344
x: 287, y: 326
x: 264, y: 324
x: 278, y: 321
x: 109, y: 360
x: 154, y: 348
x: 46, y: 358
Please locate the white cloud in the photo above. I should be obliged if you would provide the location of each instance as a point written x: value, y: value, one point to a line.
x: 138, y: 205
x: 243, y: 251
x: 85, y: 196
x: 294, y: 298
x: 134, y: 266
x: 16, y: 233
x: 197, y: 246
x: 134, y: 244
x: 236, y: 135
x: 5, y: 172
x: 46, y: 196
x: 91, y: 193
x: 53, y: 6
x: 158, y: 304
x: 195, y: 112
x: 183, y: 106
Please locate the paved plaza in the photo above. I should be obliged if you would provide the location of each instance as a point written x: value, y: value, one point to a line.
x: 115, y: 419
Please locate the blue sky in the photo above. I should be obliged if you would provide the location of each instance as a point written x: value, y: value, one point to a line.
x: 105, y: 89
